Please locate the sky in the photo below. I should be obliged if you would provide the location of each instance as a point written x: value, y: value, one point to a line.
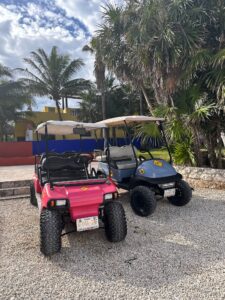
x: 28, y: 25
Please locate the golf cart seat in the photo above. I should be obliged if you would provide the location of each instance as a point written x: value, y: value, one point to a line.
x: 62, y: 169
x: 54, y: 163
x: 122, y: 157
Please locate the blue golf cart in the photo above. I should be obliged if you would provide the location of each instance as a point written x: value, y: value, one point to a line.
x: 146, y: 176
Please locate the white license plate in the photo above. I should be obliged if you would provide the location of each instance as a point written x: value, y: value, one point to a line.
x: 169, y: 193
x: 87, y: 223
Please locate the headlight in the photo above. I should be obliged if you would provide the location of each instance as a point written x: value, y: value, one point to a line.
x: 108, y: 196
x: 57, y: 203
x: 60, y: 202
x: 111, y: 196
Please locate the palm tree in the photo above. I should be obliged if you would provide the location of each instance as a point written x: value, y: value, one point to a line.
x: 116, y: 52
x: 53, y: 75
x: 90, y: 108
x: 13, y: 96
x: 99, y: 70
x: 150, y: 43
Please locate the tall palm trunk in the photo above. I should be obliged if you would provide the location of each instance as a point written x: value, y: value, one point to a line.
x: 58, y: 110
x: 103, y: 97
x: 60, y: 115
x: 210, y: 145
x: 141, y: 104
x: 150, y: 107
x: 197, y: 148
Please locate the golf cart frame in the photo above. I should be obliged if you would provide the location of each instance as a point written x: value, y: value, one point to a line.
x: 65, y: 190
x: 146, y: 179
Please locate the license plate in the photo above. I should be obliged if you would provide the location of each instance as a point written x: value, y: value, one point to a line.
x: 169, y: 193
x: 87, y: 223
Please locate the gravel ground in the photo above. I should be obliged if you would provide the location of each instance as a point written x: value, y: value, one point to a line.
x: 178, y: 253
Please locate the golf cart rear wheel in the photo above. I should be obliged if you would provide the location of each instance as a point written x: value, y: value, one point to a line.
x: 33, y: 199
x: 115, y: 221
x: 183, y: 194
x: 143, y: 201
x: 50, y: 231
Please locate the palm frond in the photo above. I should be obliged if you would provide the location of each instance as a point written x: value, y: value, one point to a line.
x: 73, y: 67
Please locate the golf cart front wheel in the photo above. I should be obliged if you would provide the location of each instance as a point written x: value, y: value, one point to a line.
x: 183, y: 194
x: 115, y: 221
x: 33, y: 199
x: 50, y: 231
x: 143, y: 201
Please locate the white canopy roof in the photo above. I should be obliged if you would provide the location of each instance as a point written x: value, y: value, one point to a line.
x: 66, y: 127
x: 129, y: 119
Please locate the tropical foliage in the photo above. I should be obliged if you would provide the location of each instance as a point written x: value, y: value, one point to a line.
x: 53, y: 75
x: 118, y: 100
x: 174, y: 53
x: 13, y: 96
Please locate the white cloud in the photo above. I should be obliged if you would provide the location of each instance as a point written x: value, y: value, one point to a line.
x: 88, y: 11
x: 24, y: 29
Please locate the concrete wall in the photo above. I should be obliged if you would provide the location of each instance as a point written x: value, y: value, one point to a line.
x: 203, y: 177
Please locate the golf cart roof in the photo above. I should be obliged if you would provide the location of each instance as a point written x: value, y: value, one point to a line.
x: 129, y: 119
x: 66, y: 127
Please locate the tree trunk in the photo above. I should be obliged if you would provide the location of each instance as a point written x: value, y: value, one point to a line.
x: 104, y: 116
x: 211, y: 151
x: 197, y: 148
x: 150, y: 107
x: 58, y: 110
x: 141, y: 104
x: 219, y: 146
x: 103, y: 105
x: 159, y: 88
x: 60, y: 115
x: 219, y: 156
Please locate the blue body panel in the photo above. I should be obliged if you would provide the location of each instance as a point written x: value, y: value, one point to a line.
x: 116, y: 174
x: 154, y: 168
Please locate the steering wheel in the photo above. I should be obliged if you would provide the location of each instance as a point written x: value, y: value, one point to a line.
x: 142, y: 158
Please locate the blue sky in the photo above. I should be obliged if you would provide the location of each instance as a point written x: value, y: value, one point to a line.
x: 28, y: 25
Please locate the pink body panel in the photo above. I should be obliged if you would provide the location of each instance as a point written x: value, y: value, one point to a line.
x: 37, y: 185
x: 84, y: 199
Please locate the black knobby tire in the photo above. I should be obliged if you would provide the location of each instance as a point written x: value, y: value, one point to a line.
x: 33, y: 199
x: 143, y: 201
x: 183, y: 194
x: 50, y: 232
x: 115, y: 221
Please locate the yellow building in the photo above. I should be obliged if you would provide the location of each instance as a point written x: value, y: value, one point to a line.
x: 25, y: 127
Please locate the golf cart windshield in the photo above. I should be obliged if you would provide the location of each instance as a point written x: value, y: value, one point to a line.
x: 144, y: 133
x: 66, y: 166
x: 66, y: 127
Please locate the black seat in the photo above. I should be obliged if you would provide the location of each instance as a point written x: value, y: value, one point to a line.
x: 54, y: 163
